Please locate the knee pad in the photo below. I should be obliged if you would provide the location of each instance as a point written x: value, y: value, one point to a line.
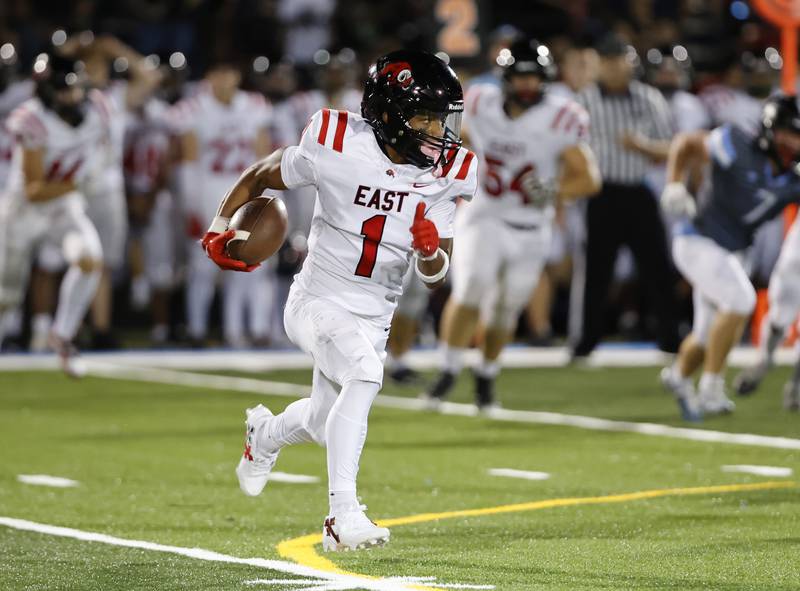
x: 784, y: 297
x: 78, y: 247
x: 346, y: 351
x: 743, y: 301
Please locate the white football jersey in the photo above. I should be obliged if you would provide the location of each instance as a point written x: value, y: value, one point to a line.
x: 509, y: 148
x: 67, y: 149
x: 730, y: 105
x: 16, y: 94
x: 360, y: 241
x: 147, y: 143
x: 225, y: 133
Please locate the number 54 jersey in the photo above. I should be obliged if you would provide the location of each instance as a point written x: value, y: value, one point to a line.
x: 360, y: 240
x: 511, y: 148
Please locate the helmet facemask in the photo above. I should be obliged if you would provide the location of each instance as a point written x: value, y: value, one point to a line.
x: 427, y: 146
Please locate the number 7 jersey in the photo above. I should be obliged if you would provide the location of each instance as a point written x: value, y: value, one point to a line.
x: 360, y: 241
x: 510, y: 148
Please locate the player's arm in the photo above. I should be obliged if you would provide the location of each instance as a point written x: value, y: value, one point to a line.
x: 580, y: 175
x: 688, y: 155
x: 431, y: 253
x: 264, y: 174
x: 37, y: 187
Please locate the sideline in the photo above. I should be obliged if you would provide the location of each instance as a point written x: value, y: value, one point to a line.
x: 271, y: 388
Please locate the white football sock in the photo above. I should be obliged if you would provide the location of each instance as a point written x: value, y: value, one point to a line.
x: 345, y: 433
x: 489, y: 369
x: 199, y: 293
x: 260, y: 301
x: 709, y: 381
x: 76, y: 293
x: 452, y: 358
x: 41, y: 323
x: 342, y: 500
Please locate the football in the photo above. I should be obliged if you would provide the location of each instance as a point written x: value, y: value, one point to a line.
x: 261, y: 226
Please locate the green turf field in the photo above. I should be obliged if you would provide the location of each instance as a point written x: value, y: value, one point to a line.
x: 155, y: 463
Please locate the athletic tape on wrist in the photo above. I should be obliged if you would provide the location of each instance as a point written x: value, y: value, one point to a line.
x: 437, y: 276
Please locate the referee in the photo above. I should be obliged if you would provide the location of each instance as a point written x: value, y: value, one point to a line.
x: 631, y: 129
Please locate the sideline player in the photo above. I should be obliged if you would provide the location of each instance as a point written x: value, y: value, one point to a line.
x: 222, y: 128
x: 386, y: 188
x: 532, y: 150
x: 752, y: 180
x: 55, y: 133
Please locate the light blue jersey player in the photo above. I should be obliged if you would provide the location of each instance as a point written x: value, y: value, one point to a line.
x: 751, y: 181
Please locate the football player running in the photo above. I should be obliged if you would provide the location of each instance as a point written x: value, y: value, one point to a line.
x: 782, y: 138
x: 386, y: 185
x: 752, y: 180
x: 533, y: 153
x: 55, y: 134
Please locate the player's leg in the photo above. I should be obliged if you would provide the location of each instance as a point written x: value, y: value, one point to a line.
x: 720, y: 278
x: 16, y: 251
x: 476, y: 264
x: 784, y: 304
x: 108, y: 214
x: 405, y: 324
x: 49, y: 266
x: 527, y: 253
x: 301, y: 421
x: 84, y: 255
x: 234, y: 307
x: 602, y: 245
x: 260, y: 303
x: 200, y: 285
x: 158, y: 254
x: 791, y: 391
x: 648, y: 242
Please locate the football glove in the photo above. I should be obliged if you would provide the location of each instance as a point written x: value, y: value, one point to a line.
x: 677, y: 201
x: 216, y: 245
x: 538, y: 193
x: 425, y: 237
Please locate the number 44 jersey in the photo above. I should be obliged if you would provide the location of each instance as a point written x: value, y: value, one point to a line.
x: 511, y: 148
x: 360, y: 241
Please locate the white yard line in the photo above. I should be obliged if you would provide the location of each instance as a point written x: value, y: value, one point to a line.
x: 271, y: 388
x: 215, y: 360
x: 330, y: 580
x: 523, y: 474
x: 46, y: 480
x: 292, y: 478
x: 771, y: 471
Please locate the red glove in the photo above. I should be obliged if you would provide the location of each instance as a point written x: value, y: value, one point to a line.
x: 425, y: 236
x: 215, y: 246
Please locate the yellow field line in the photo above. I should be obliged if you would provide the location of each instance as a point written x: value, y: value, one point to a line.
x: 302, y: 551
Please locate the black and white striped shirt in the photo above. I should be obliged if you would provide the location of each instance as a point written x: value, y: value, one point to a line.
x: 642, y: 109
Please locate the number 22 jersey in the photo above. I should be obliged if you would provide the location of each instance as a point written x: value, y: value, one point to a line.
x: 360, y: 240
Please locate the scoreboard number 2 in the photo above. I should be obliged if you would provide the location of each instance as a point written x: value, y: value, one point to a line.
x: 457, y: 37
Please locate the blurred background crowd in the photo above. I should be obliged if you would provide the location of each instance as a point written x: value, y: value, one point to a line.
x: 714, y: 61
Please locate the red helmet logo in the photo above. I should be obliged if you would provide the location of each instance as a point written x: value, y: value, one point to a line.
x: 398, y: 73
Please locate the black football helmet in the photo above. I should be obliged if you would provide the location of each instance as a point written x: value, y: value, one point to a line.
x: 780, y: 111
x: 53, y: 73
x: 406, y: 83
x: 526, y: 57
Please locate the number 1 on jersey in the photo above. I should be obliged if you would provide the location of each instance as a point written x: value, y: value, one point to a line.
x: 372, y: 231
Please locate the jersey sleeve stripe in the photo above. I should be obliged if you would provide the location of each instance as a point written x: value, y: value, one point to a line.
x: 561, y: 112
x: 462, y: 172
x: 451, y: 159
x: 341, y: 125
x: 323, y: 131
